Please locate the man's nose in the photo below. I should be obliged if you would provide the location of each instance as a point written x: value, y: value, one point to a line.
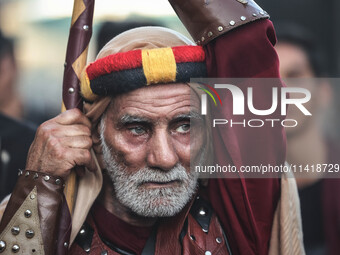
x: 161, y: 151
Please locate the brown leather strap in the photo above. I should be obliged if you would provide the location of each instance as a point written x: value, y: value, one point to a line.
x: 207, y: 19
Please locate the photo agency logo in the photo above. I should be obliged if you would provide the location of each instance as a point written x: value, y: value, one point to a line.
x: 240, y: 101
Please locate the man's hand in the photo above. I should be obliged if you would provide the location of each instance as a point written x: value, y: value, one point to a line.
x: 62, y: 143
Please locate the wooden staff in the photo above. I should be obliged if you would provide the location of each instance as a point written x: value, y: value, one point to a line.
x: 76, y: 55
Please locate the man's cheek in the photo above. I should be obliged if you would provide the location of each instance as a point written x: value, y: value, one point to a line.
x: 183, y: 152
x: 131, y: 156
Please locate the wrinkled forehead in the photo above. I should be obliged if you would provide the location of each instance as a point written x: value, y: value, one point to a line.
x: 158, y: 99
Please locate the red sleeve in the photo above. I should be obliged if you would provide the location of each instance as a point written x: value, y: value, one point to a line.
x: 246, y: 206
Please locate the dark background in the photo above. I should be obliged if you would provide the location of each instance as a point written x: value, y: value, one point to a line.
x: 322, y: 17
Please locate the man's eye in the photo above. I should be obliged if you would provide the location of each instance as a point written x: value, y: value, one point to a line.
x: 137, y: 131
x: 183, y: 128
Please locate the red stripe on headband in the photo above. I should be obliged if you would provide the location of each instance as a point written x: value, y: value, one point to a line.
x: 114, y: 63
x: 188, y: 54
x: 133, y: 59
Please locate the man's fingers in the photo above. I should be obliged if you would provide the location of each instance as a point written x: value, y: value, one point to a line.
x: 73, y: 116
x: 83, y: 157
x: 61, y: 144
x: 81, y: 142
x: 73, y: 130
x: 57, y: 130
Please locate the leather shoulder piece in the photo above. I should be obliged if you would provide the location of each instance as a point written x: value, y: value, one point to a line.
x: 202, y: 233
x: 84, y: 237
x: 30, y: 221
x: 207, y: 19
x: 23, y: 233
x: 202, y: 212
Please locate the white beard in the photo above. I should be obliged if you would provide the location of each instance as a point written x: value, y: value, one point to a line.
x: 149, y: 202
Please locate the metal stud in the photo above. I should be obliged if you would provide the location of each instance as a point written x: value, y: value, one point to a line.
x: 66, y: 244
x: 82, y: 231
x: 46, y: 178
x: 27, y: 174
x: 88, y: 249
x: 261, y: 12
x: 202, y: 39
x: 218, y: 240
x: 220, y: 28
x: 15, y: 230
x: 28, y: 213
x: 2, y: 246
x: 57, y: 181
x: 192, y: 237
x: 202, y: 212
x: 104, y: 252
x: 86, y: 27
x: 15, y: 248
x: 20, y: 172
x: 210, y: 34
x: 232, y: 23
x: 32, y: 196
x: 207, y: 253
x: 254, y: 15
x: 243, y: 18
x: 71, y: 90
x: 205, y: 230
x: 29, y: 233
x: 35, y: 176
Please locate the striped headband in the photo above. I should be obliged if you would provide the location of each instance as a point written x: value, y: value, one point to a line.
x: 125, y: 71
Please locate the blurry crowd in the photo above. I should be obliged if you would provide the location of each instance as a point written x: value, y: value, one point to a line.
x: 309, y: 143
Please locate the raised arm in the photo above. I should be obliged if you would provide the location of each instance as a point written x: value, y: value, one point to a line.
x: 239, y: 43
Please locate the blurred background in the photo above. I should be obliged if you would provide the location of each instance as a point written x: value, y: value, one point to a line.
x: 40, y: 29
x: 309, y: 39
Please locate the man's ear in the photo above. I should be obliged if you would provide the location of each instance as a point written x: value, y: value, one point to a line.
x: 96, y: 140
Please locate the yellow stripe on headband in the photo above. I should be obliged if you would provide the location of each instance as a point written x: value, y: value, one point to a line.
x: 159, y: 65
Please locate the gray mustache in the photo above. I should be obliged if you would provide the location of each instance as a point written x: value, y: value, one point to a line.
x: 144, y: 175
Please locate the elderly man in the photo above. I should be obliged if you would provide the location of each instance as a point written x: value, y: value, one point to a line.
x: 139, y: 194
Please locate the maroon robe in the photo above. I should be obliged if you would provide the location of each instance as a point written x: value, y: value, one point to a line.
x: 246, y: 206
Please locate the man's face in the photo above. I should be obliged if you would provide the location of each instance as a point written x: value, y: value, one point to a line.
x: 147, y: 148
x: 295, y: 66
x: 294, y: 62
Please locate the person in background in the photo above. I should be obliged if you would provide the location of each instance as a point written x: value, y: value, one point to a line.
x: 306, y: 144
x: 15, y: 136
x: 10, y: 102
